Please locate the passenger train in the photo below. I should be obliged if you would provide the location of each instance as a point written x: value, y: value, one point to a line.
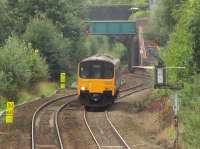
x: 98, y: 80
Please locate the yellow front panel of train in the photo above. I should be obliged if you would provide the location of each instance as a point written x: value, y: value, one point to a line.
x: 95, y: 85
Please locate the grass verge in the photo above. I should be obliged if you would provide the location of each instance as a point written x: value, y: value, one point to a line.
x: 42, y: 89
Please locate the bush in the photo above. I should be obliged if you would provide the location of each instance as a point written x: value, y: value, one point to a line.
x: 189, y: 112
x: 2, y: 103
x: 61, y: 53
x: 20, y: 67
x: 5, y: 23
x: 103, y: 44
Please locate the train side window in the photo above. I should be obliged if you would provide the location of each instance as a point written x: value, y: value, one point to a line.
x: 108, y: 70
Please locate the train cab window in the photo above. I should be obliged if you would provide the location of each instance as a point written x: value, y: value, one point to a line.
x: 96, y: 70
x: 84, y: 70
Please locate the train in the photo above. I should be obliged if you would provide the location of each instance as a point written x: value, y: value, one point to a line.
x: 98, y: 80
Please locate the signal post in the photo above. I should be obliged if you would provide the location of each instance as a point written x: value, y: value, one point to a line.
x: 161, y: 83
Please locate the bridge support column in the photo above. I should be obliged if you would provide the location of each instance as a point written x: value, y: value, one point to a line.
x: 133, y: 52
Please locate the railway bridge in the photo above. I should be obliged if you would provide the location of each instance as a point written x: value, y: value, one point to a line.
x: 113, y: 22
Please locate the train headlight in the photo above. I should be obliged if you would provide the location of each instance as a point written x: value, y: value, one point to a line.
x: 82, y: 88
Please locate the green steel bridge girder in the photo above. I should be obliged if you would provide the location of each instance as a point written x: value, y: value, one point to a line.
x: 111, y: 27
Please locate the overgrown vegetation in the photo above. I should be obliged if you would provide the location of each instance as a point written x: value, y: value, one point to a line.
x: 41, y: 89
x: 163, y: 20
x: 59, y: 51
x: 190, y: 111
x: 103, y: 44
x: 176, y: 26
x: 53, y: 28
x: 20, y: 67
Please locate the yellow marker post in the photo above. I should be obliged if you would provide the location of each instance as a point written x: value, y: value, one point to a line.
x: 9, y: 112
x: 62, y: 80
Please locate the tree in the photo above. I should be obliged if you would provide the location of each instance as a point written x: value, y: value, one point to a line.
x: 184, y: 44
x: 62, y: 54
x: 65, y: 14
x: 5, y: 23
x: 163, y: 20
x: 44, y: 36
x: 194, y: 27
x: 59, y: 38
x: 20, y: 67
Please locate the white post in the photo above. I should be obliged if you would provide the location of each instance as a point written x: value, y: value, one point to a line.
x: 176, y: 119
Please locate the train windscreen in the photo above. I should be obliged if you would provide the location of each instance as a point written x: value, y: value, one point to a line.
x: 96, y: 70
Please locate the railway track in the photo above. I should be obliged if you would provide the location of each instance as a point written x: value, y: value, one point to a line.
x: 101, y: 128
x: 53, y: 136
x: 66, y: 108
x: 128, y: 91
x: 45, y: 123
x: 144, y: 76
x: 103, y: 131
x: 133, y: 89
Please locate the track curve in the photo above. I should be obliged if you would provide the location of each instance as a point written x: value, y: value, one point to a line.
x: 36, y: 113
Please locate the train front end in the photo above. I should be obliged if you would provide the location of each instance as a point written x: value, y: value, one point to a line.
x: 96, y: 83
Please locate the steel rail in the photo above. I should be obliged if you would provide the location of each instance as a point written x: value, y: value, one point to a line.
x: 107, y: 118
x: 37, y: 112
x: 92, y: 134
x: 134, y: 91
x: 132, y: 87
x: 56, y: 122
x: 115, y: 130
x: 145, y: 76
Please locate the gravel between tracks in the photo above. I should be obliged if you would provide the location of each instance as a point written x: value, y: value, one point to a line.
x: 74, y: 131
x: 102, y: 130
x: 45, y: 134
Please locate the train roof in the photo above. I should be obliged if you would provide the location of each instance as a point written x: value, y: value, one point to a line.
x: 102, y: 57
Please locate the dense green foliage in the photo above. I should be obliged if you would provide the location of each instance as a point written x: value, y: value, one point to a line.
x: 53, y: 27
x: 66, y: 15
x: 189, y: 112
x: 60, y: 52
x: 20, y: 67
x: 103, y: 44
x: 183, y: 46
x: 5, y: 23
x: 175, y: 27
x: 163, y: 21
x: 178, y: 29
x: 194, y: 27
